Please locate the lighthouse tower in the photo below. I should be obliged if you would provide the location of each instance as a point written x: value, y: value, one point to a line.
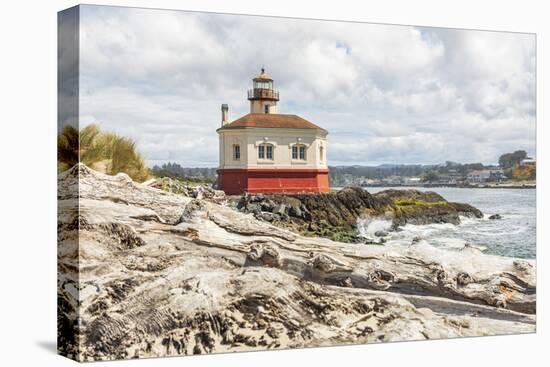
x: 269, y: 152
x: 263, y: 98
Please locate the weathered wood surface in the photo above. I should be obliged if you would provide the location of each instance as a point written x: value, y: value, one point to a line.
x: 165, y: 274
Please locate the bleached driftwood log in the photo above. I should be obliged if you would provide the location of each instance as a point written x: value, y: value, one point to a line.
x: 165, y: 274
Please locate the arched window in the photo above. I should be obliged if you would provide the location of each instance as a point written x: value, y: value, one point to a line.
x: 236, y: 152
x: 321, y: 153
x: 265, y: 151
x: 299, y: 152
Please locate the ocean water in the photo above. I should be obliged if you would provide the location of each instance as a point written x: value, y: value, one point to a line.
x: 513, y: 235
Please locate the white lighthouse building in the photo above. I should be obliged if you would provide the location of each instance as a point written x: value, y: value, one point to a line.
x: 265, y: 151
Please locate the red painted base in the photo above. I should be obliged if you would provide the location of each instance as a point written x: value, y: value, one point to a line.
x: 269, y: 181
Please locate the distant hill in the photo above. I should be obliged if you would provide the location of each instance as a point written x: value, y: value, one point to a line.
x: 189, y: 174
x: 339, y: 175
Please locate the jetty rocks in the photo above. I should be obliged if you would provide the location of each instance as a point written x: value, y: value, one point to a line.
x: 145, y: 273
x: 334, y: 215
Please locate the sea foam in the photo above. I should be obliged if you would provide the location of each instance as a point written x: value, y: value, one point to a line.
x: 367, y: 225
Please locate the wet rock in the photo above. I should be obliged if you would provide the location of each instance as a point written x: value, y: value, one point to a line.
x: 253, y: 208
x: 267, y: 205
x: 295, y: 211
x: 381, y: 234
x: 266, y: 216
x: 495, y: 216
x: 334, y: 215
x: 305, y: 213
x: 258, y: 198
x: 416, y: 240
x: 279, y: 209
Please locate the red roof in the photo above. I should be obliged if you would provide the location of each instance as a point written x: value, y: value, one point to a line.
x: 271, y: 120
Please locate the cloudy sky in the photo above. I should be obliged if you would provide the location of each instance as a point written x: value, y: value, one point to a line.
x: 386, y: 94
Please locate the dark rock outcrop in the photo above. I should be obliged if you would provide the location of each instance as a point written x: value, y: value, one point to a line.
x: 425, y: 207
x: 381, y: 233
x: 334, y: 215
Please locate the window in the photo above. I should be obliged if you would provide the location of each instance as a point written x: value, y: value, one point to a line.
x: 302, y: 152
x: 321, y: 153
x: 266, y: 108
x: 299, y: 152
x: 236, y: 152
x: 265, y: 151
x: 265, y: 84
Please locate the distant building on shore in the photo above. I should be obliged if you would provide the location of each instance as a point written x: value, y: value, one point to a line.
x: 528, y: 162
x: 412, y: 181
x: 485, y: 175
x: 265, y: 151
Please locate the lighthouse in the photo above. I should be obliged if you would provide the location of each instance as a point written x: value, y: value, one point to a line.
x: 265, y: 151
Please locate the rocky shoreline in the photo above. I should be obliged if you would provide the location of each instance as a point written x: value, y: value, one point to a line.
x: 145, y: 272
x: 334, y: 215
x: 528, y: 185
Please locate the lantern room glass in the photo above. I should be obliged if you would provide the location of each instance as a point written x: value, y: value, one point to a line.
x: 263, y: 84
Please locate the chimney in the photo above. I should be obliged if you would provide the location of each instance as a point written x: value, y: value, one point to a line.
x: 225, y: 114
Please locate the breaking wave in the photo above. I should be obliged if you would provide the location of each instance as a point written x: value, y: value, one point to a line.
x: 367, y: 225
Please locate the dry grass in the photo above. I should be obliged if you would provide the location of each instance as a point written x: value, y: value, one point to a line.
x: 104, y: 151
x: 522, y: 173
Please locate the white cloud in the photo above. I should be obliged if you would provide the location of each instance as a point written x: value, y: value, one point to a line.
x: 387, y: 94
